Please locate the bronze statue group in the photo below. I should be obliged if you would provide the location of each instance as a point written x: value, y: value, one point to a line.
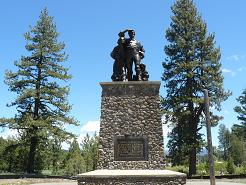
x: 127, y: 52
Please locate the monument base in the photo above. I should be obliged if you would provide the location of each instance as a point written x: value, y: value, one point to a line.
x: 132, y: 177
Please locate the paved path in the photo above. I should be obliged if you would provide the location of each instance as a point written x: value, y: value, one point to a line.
x: 217, y: 183
x: 207, y: 182
x: 189, y: 182
x: 57, y: 183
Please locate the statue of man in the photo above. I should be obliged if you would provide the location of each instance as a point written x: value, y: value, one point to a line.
x: 127, y: 52
x: 134, y: 54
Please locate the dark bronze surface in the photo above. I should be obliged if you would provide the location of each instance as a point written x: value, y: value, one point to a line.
x: 128, y: 52
x: 130, y: 148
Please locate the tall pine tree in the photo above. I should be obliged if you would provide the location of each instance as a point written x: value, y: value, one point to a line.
x: 192, y: 64
x: 224, y: 141
x: 240, y: 130
x: 42, y: 106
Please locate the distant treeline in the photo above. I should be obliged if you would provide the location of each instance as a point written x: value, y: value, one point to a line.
x: 51, y: 159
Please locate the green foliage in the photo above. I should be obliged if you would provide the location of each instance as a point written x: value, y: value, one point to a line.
x: 179, y: 168
x: 231, y: 145
x: 3, y: 162
x: 90, y: 151
x: 192, y: 64
x: 220, y: 167
x: 244, y: 167
x: 41, y: 102
x: 75, y: 163
x: 230, y: 167
x: 79, y: 161
x: 51, y: 159
x: 57, y: 156
x: 237, y: 149
x: 13, y: 155
x: 240, y: 130
x: 224, y: 141
x: 178, y: 146
x: 202, y: 169
x: 239, y: 170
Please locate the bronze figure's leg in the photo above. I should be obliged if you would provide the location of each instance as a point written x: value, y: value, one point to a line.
x: 137, y: 61
x: 129, y: 69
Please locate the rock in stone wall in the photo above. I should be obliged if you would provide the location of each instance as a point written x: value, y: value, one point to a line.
x: 131, y: 109
x: 134, y: 181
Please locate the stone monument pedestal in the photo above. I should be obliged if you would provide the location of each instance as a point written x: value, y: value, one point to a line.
x: 131, y: 138
x: 132, y: 177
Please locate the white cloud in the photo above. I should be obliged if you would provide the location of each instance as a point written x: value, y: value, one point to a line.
x: 9, y: 133
x: 236, y: 57
x: 88, y: 128
x: 228, y: 71
x: 91, y: 126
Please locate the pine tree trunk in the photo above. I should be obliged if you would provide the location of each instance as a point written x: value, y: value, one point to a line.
x: 193, y: 130
x: 192, y: 162
x: 34, y: 138
x: 193, y: 149
x: 31, y: 155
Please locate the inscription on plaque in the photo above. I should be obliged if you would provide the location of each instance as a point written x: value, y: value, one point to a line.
x: 130, y: 148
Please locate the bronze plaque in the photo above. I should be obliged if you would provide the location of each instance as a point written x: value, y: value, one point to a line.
x: 130, y: 148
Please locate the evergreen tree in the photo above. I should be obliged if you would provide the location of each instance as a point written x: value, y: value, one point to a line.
x: 192, y: 64
x: 14, y: 155
x: 42, y: 106
x: 224, y: 141
x: 75, y: 163
x: 240, y: 130
x: 57, y: 154
x: 90, y: 151
x: 177, y: 146
x: 3, y: 163
x: 230, y: 167
x: 237, y: 149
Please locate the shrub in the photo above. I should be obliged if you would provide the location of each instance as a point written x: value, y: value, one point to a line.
x: 182, y: 169
x: 202, y: 169
x: 220, y: 167
x: 244, y: 167
x: 230, y: 167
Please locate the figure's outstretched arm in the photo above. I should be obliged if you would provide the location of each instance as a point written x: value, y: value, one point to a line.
x: 122, y: 33
x: 126, y: 30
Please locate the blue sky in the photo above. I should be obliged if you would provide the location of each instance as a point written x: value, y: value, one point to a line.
x: 89, y: 29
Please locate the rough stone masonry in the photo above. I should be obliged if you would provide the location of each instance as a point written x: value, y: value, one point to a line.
x: 131, y: 110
